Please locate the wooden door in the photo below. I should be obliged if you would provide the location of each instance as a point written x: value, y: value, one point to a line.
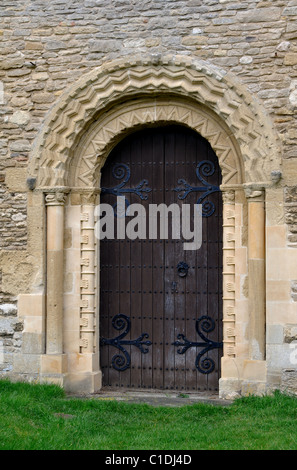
x: 161, y: 305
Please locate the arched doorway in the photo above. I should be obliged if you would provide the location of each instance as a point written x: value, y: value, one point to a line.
x: 161, y: 305
x: 65, y: 168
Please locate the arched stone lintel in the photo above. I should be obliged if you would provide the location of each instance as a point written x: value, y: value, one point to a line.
x: 127, y: 78
x: 107, y: 132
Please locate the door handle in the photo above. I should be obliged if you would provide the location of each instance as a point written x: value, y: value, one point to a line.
x: 182, y: 269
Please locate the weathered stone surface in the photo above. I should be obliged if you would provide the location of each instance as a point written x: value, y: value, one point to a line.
x: 290, y: 58
x: 43, y: 98
x: 289, y: 381
x: 260, y: 15
x: 21, y: 118
x: 290, y: 331
x: 294, y: 286
x: 291, y: 194
x: 8, y: 309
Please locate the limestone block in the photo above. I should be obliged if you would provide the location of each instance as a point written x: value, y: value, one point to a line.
x: 83, y: 383
x: 290, y: 333
x: 281, y: 265
x: 254, y: 370
x: 281, y: 313
x: 291, y: 194
x: 54, y: 363
x: 290, y: 10
x: 277, y: 290
x: 9, y: 325
x: 274, y: 334
x: 245, y: 60
x: 71, y: 309
x: 52, y: 45
x: 72, y: 337
x: 195, y: 40
x: 289, y: 381
x: 15, y: 179
x: 103, y: 45
x: 83, y: 362
x: 294, y: 290
x: 279, y: 356
x: 20, y: 145
x: 31, y: 305
x: 276, y: 237
x: 34, y: 46
x: 18, y: 272
x: 274, y: 213
x: 21, y: 118
x: 253, y: 388
x: 260, y: 15
x: 284, y: 46
x: 231, y: 367
x: 230, y: 389
x: 32, y: 343
x: 8, y: 309
x: 41, y: 98
x: 26, y: 363
x: 290, y: 58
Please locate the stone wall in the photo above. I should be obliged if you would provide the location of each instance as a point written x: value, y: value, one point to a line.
x: 48, y: 45
x: 45, y: 46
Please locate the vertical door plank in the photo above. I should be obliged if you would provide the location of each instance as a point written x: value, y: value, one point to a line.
x: 158, y: 268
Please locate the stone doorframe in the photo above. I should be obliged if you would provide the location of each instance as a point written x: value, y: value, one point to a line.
x: 78, y: 134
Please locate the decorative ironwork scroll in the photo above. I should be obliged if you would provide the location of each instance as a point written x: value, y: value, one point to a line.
x: 204, y: 324
x: 204, y: 169
x: 122, y: 172
x: 122, y: 361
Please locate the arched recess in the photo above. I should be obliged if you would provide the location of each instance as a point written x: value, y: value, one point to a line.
x: 76, y: 138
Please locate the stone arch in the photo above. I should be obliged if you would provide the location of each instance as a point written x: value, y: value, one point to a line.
x: 106, y: 132
x: 118, y: 81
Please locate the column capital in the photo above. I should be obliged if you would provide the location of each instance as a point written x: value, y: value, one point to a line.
x: 228, y: 196
x: 90, y: 196
x: 254, y: 192
x: 56, y: 197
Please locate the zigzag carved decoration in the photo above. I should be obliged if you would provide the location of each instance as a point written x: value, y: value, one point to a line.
x: 182, y: 76
x: 112, y: 127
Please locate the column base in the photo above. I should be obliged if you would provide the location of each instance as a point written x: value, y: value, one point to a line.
x: 55, y: 370
x: 230, y: 388
x: 243, y: 378
x: 83, y: 382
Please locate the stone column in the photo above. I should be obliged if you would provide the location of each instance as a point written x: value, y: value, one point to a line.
x: 229, y: 272
x: 229, y: 382
x: 83, y: 373
x: 256, y: 262
x: 55, y: 272
x: 54, y: 363
x: 88, y: 273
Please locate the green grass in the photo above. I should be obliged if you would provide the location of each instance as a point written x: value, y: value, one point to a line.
x: 41, y: 417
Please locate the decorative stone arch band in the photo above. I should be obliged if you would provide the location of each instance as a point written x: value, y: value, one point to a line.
x: 120, y: 80
x: 109, y: 129
x: 74, y: 142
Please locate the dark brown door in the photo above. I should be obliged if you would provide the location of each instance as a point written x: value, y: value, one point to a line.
x: 161, y: 305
